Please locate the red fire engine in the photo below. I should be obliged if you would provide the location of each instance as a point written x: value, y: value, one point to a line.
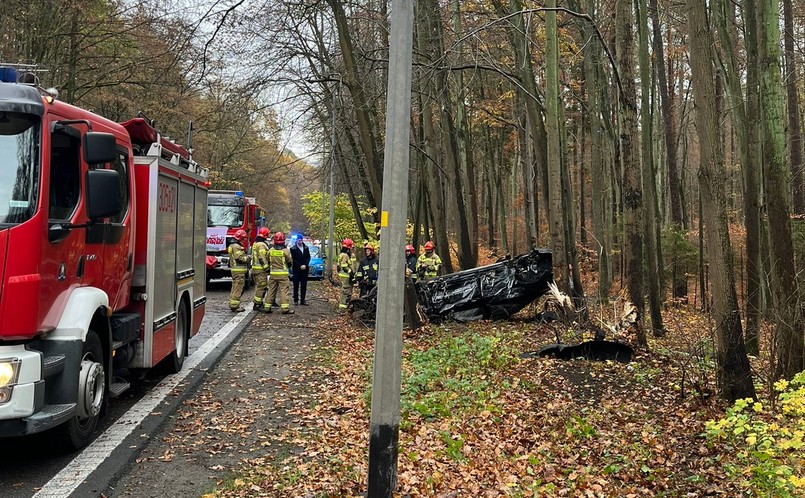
x: 227, y: 212
x: 102, y: 236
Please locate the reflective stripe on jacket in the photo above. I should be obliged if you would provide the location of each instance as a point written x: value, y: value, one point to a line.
x: 429, y: 265
x: 279, y: 260
x: 367, y: 270
x: 345, y: 265
x: 260, y: 256
x: 238, y: 259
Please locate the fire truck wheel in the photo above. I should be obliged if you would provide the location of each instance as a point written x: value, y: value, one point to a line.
x: 77, y: 432
x: 180, y: 335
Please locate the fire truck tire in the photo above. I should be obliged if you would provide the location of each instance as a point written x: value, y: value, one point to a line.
x: 77, y: 432
x: 180, y: 335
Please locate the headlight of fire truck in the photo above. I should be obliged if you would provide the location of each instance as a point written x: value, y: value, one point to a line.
x: 9, y: 370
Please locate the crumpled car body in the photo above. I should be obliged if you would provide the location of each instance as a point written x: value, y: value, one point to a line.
x: 495, y: 291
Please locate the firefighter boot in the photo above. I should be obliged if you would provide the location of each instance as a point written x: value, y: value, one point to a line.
x: 261, y: 308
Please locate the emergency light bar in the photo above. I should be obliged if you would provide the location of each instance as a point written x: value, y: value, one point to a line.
x: 8, y: 75
x: 25, y: 74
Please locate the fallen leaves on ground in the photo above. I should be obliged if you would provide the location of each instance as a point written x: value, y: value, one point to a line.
x: 542, y: 427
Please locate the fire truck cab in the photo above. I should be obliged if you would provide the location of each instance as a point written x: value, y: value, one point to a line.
x: 102, y: 234
x: 227, y: 212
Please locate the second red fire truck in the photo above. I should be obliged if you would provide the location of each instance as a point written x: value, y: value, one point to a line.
x: 227, y: 212
x: 102, y: 259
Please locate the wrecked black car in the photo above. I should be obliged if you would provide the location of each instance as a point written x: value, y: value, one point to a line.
x: 495, y: 291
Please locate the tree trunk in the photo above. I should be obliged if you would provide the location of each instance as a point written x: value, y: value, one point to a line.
x: 580, y: 160
x: 669, y: 124
x: 747, y: 138
x: 464, y: 138
x: 575, y: 285
x: 432, y: 35
x: 680, y: 284
x: 489, y: 156
x: 651, y: 253
x: 788, y: 322
x: 631, y: 187
x: 525, y: 74
x: 435, y: 192
x: 554, y: 202
x: 734, y: 374
x: 527, y: 164
x: 599, y: 172
x: 367, y: 128
x: 794, y: 126
x: 501, y: 206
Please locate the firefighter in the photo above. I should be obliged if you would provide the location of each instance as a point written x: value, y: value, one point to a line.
x: 279, y: 258
x: 238, y: 267
x: 260, y: 267
x: 367, y: 270
x: 346, y: 271
x: 410, y: 262
x: 429, y: 263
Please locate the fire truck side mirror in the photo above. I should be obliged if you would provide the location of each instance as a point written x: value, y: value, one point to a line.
x: 103, y: 193
x: 99, y: 148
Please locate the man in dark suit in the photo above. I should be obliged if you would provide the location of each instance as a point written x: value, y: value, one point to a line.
x: 301, y: 261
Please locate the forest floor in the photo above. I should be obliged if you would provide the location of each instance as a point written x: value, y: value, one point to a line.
x: 286, y: 414
x: 480, y: 420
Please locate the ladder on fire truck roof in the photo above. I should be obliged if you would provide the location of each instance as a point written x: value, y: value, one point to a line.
x: 148, y: 141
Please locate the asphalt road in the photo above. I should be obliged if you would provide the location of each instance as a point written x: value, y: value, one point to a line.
x: 27, y: 464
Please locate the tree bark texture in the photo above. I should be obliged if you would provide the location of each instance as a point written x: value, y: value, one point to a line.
x: 649, y: 185
x: 788, y: 321
x: 632, y: 182
x: 747, y: 136
x: 794, y: 125
x: 599, y: 172
x: 734, y: 374
x: 555, y: 205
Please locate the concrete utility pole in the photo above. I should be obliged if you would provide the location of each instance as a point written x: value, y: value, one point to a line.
x: 385, y: 416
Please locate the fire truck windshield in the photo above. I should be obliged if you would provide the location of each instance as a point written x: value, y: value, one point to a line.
x: 19, y: 166
x: 224, y: 216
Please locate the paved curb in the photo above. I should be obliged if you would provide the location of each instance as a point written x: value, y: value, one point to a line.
x: 123, y: 458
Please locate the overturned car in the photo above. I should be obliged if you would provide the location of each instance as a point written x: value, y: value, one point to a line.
x: 495, y: 291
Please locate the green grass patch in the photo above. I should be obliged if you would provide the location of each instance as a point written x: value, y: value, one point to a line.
x: 457, y: 374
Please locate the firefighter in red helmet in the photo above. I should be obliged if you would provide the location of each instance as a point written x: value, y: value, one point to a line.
x: 238, y: 267
x: 260, y: 266
x: 345, y: 267
x: 279, y: 258
x: 429, y: 263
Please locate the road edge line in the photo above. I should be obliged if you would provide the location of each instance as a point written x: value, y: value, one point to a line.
x: 75, y: 473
